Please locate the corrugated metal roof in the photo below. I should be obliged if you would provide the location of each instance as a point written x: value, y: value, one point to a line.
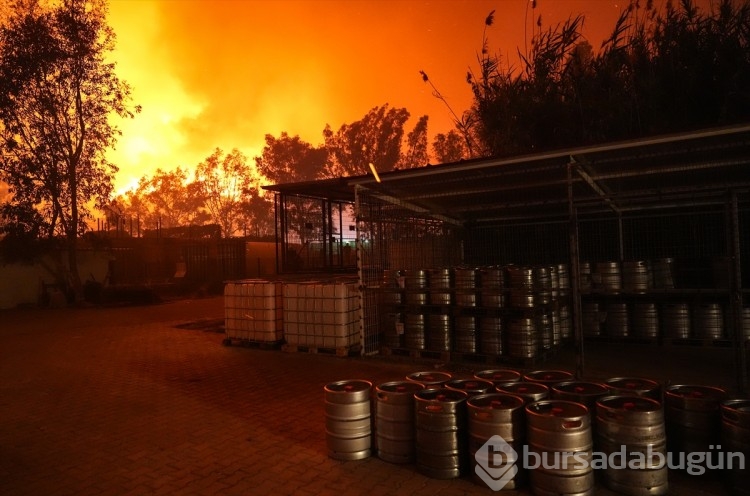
x: 679, y: 169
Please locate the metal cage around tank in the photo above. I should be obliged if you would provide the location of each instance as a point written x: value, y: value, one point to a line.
x: 659, y: 221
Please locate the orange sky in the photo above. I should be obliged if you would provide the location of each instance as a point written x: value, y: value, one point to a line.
x: 224, y: 73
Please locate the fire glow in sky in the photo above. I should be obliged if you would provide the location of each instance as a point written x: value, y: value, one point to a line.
x: 224, y: 73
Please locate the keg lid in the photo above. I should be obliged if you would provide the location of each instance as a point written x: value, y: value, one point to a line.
x: 522, y: 388
x: 429, y: 378
x: 548, y: 376
x: 557, y: 408
x: 736, y: 412
x: 470, y: 385
x: 351, y: 386
x: 581, y: 388
x: 496, y: 401
x: 442, y: 395
x: 629, y: 403
x: 707, y: 393
x: 407, y: 387
x: 635, y: 384
x: 499, y: 375
x: 694, y: 398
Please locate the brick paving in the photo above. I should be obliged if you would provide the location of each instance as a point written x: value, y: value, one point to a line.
x: 122, y: 401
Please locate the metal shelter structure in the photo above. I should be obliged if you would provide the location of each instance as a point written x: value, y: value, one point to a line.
x: 684, y: 196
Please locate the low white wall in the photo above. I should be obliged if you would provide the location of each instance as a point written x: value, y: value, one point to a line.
x: 20, y: 284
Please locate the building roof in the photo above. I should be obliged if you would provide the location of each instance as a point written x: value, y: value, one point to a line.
x: 695, y: 168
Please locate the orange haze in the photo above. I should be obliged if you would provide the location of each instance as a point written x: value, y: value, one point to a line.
x: 224, y: 73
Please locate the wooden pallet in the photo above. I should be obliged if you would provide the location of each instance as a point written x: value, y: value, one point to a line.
x: 248, y: 343
x: 341, y: 351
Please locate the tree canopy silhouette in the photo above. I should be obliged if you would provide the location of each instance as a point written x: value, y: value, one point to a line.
x: 57, y: 92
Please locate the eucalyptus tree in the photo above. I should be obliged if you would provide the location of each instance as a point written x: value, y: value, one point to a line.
x: 417, y: 152
x: 223, y: 180
x: 58, y: 93
x: 449, y: 147
x: 375, y: 139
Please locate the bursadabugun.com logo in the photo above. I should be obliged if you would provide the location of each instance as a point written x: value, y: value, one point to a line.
x: 498, y: 463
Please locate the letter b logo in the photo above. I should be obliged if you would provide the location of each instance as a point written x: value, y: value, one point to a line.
x: 496, y: 463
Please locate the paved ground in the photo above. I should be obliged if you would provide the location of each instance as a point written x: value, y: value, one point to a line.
x: 122, y: 401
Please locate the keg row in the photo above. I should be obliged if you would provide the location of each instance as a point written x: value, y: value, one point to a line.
x: 522, y: 335
x: 651, y: 320
x: 467, y: 287
x: 452, y: 427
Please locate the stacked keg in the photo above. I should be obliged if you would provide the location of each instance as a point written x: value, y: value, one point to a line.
x: 675, y: 319
x: 499, y: 376
x: 471, y: 387
x: 521, y: 285
x: 523, y: 333
x: 465, y: 282
x: 439, y: 332
x: 645, y: 320
x: 555, y: 429
x: 394, y: 420
x: 348, y: 419
x: 440, y: 286
x: 448, y: 425
x: 492, y: 284
x: 693, y: 418
x: 522, y: 336
x: 636, y: 276
x: 415, y: 331
x: 708, y: 319
x: 585, y: 393
x: 492, y: 325
x: 416, y: 289
x: 429, y: 379
x: 529, y: 391
x: 548, y: 377
x: 491, y: 330
x: 496, y: 419
x: 634, y: 386
x: 616, y: 321
x: 591, y: 320
x: 441, y: 450
x: 608, y: 277
x: 634, y: 427
x: 465, y: 334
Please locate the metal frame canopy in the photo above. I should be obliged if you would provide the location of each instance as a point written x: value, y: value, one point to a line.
x: 686, y: 168
x: 697, y: 171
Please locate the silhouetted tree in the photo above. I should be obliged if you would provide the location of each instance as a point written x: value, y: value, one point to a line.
x: 222, y: 181
x: 376, y: 139
x: 288, y: 159
x: 168, y: 200
x: 448, y: 147
x: 57, y: 93
x: 416, y: 154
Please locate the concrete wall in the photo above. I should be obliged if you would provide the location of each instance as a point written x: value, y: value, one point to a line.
x: 21, y: 284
